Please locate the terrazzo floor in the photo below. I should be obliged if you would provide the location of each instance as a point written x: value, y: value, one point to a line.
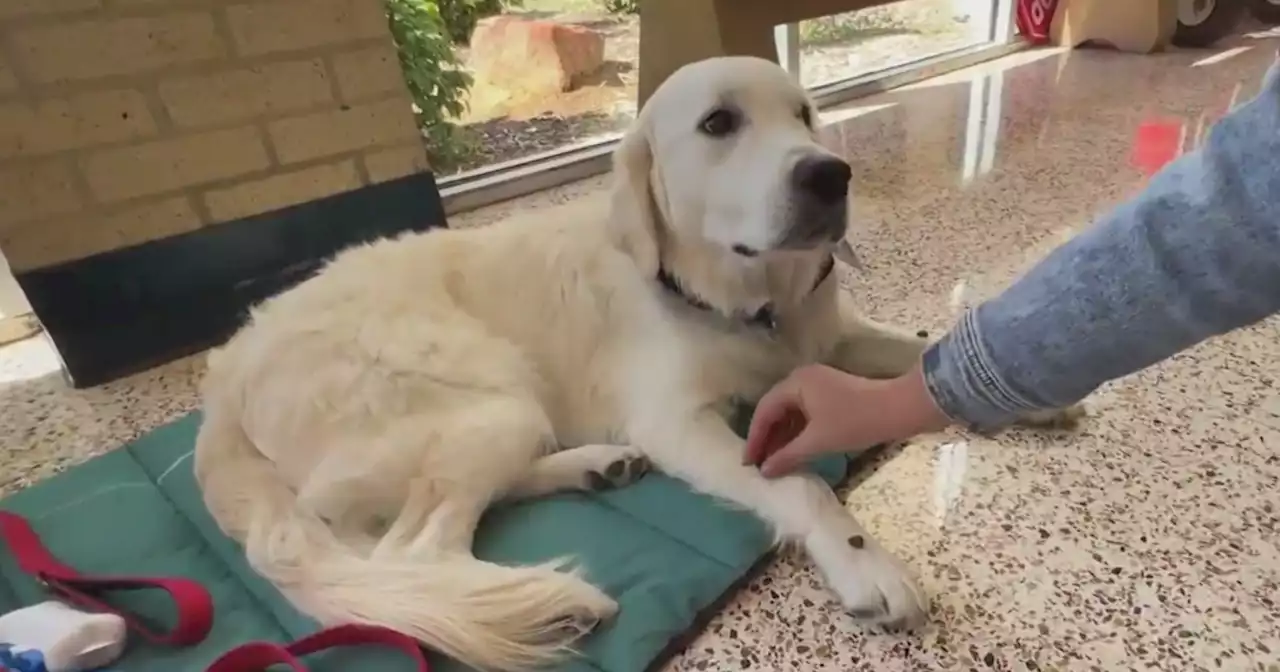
x: 1145, y: 540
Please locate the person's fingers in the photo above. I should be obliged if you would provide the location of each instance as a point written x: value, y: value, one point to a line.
x: 780, y: 434
x: 788, y: 458
x: 770, y: 415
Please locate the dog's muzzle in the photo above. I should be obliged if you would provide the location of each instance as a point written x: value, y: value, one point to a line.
x: 820, y: 201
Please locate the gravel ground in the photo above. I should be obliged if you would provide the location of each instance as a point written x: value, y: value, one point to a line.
x: 848, y: 45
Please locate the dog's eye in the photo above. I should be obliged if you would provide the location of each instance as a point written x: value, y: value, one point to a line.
x: 720, y: 123
x: 806, y: 115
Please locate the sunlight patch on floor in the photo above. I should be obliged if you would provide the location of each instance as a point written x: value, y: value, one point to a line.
x: 27, y: 360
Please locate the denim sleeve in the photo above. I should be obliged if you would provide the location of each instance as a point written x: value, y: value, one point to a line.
x: 1196, y: 254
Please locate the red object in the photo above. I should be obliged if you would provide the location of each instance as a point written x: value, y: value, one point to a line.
x: 1158, y: 142
x: 1034, y: 19
x: 194, y: 608
x: 258, y: 656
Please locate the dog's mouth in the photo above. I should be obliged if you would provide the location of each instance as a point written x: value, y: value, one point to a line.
x: 807, y: 224
x: 815, y: 227
x: 813, y: 233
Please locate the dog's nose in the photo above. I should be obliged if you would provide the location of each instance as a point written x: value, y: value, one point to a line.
x: 825, y: 178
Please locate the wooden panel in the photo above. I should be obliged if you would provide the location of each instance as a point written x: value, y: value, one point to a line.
x: 674, y: 33
x: 119, y: 312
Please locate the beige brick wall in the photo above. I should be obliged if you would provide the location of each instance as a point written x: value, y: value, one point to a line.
x: 123, y: 121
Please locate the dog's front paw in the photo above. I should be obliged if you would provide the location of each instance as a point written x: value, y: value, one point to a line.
x: 1061, y: 418
x: 606, y: 467
x: 872, y: 584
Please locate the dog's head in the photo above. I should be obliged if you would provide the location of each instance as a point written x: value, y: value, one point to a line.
x: 725, y: 153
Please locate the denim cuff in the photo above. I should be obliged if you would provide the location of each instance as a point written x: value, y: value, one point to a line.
x: 963, y: 380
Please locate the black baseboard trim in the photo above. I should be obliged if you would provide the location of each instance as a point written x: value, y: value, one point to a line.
x: 124, y: 311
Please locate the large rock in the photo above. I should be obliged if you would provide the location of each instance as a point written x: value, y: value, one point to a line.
x: 528, y: 58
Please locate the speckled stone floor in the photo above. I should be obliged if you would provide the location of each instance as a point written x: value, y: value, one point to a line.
x: 1147, y: 540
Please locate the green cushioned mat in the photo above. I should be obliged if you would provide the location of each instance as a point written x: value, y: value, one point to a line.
x: 665, y: 553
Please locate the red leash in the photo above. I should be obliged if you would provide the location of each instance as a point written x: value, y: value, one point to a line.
x: 193, y: 605
x: 258, y: 656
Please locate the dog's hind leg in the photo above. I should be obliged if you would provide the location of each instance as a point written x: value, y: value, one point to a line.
x: 475, y: 449
x: 598, y: 466
x: 481, y: 452
x: 420, y: 502
x: 436, y: 468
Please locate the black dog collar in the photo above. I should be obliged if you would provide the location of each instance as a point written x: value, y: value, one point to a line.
x: 763, y: 318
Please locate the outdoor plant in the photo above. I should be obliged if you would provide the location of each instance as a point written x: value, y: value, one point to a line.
x: 622, y: 6
x: 460, y: 16
x: 434, y: 75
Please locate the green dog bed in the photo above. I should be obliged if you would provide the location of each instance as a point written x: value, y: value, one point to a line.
x: 667, y: 554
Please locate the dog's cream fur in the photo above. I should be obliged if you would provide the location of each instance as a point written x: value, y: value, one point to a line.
x: 417, y: 380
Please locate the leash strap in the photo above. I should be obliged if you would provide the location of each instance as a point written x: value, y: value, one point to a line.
x: 193, y: 605
x: 258, y: 656
x: 194, y: 609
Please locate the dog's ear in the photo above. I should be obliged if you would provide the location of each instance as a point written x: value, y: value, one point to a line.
x: 633, y: 215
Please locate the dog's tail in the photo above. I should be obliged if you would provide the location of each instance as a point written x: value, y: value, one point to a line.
x: 485, y: 615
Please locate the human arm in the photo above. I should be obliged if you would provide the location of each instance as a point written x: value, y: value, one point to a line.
x: 1196, y: 254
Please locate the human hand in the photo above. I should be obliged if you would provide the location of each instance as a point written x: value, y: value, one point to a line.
x: 818, y: 409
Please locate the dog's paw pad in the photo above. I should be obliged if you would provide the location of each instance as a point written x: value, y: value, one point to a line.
x: 597, y: 481
x: 620, y: 472
x: 637, y: 468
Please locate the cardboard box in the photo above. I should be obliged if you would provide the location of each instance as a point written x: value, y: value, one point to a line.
x: 1135, y: 26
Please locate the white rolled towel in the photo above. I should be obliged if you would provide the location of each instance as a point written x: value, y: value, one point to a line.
x: 67, y: 639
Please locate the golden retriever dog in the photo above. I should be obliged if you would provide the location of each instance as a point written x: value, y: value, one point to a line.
x: 357, y: 428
